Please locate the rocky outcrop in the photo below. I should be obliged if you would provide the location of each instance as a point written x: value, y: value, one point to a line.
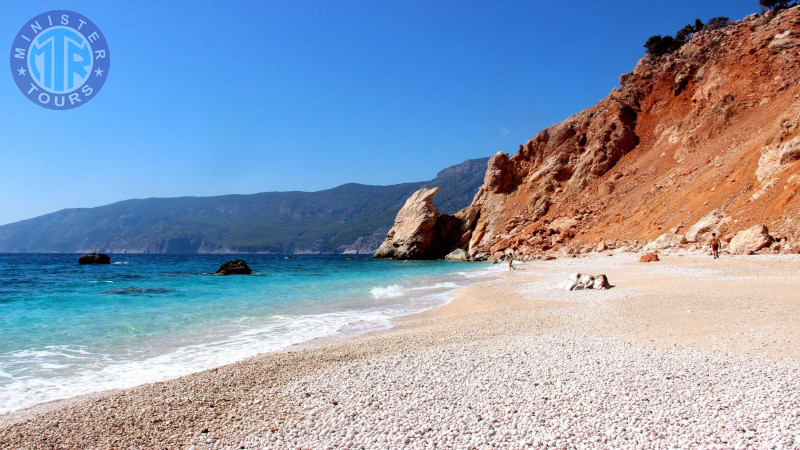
x: 419, y: 231
x: 94, y: 258
x: 750, y: 240
x: 235, y: 267
x: 413, y: 231
x: 712, y: 127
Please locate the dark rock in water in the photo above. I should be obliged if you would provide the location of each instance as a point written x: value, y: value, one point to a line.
x: 235, y: 267
x: 138, y: 291
x: 94, y: 258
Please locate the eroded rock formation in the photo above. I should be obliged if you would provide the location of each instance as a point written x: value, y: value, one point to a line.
x: 419, y: 231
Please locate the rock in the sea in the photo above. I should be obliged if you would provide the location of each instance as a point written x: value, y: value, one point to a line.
x: 666, y: 240
x: 94, y: 258
x: 750, y: 240
x: 419, y: 231
x: 649, y: 257
x: 458, y: 254
x: 412, y: 233
x: 235, y: 267
x: 702, y: 229
x: 580, y: 281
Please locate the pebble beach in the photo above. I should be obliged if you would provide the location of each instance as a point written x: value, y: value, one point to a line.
x: 685, y: 352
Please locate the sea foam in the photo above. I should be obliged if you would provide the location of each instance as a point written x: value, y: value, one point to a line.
x: 391, y: 291
x: 176, y: 319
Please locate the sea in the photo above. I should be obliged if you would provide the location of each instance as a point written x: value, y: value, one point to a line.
x: 68, y: 329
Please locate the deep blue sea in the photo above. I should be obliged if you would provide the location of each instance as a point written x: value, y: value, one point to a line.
x: 67, y: 329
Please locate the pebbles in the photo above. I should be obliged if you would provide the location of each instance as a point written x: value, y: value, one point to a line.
x: 549, y: 390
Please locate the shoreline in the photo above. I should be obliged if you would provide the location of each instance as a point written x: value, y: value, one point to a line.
x: 730, y: 309
x: 350, y: 330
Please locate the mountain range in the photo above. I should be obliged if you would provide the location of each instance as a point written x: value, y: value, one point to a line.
x: 351, y: 218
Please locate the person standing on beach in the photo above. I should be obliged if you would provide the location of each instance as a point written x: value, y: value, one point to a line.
x: 510, y: 262
x: 714, y: 245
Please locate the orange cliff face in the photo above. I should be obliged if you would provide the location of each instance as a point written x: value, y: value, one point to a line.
x: 714, y: 126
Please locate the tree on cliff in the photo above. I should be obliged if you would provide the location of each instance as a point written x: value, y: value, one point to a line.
x: 717, y: 22
x: 698, y: 25
x: 685, y: 33
x: 777, y: 4
x: 660, y: 45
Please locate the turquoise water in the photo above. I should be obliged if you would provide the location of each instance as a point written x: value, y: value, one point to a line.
x: 69, y: 329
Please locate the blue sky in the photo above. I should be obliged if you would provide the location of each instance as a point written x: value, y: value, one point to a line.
x: 210, y: 98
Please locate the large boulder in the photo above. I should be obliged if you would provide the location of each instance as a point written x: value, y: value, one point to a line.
x: 750, y: 240
x: 419, y: 231
x: 563, y: 224
x: 704, y: 227
x: 666, y: 240
x: 235, y: 267
x: 649, y: 257
x: 458, y: 254
x: 580, y: 281
x: 94, y: 258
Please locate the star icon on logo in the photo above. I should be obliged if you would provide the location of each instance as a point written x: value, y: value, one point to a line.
x: 21, y: 71
x: 98, y: 72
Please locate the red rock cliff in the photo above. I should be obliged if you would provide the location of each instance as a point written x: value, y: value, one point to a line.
x: 714, y: 126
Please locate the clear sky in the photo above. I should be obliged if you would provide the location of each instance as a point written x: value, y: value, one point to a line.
x: 223, y: 97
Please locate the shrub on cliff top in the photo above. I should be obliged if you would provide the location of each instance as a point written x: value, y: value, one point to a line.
x: 777, y: 4
x: 684, y: 33
x: 660, y: 45
x: 718, y: 22
x: 698, y: 25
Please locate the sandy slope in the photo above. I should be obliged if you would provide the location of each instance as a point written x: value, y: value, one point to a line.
x: 688, y: 351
